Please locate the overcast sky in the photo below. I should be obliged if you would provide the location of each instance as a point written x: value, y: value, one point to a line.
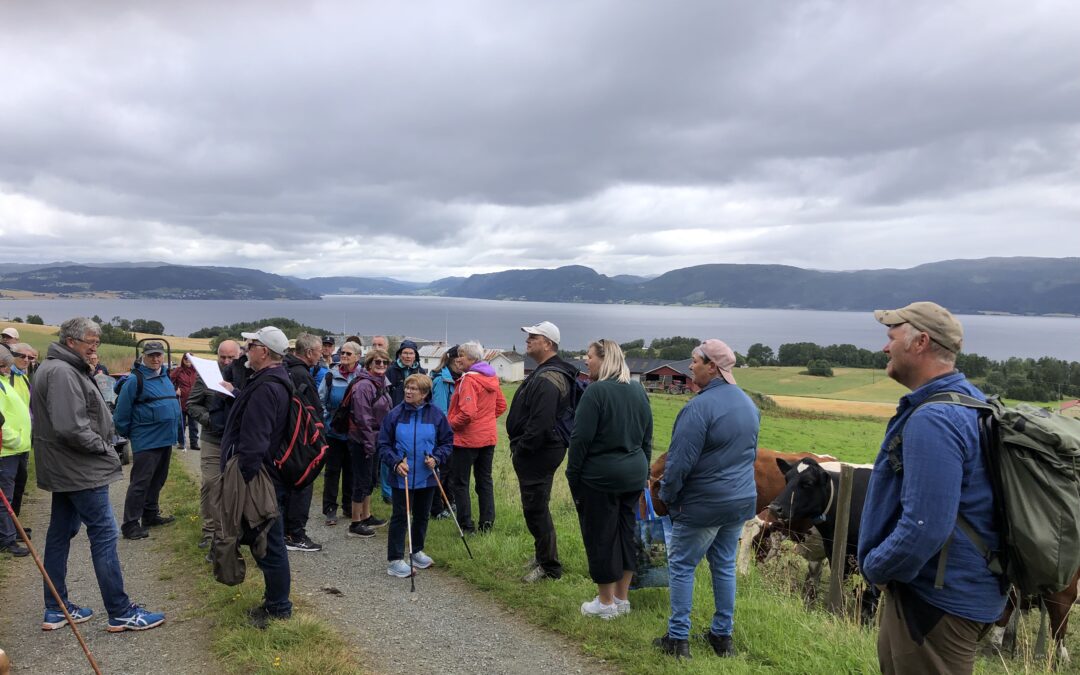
x: 423, y: 139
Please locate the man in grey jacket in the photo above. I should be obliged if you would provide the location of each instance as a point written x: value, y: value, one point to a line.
x: 75, y: 461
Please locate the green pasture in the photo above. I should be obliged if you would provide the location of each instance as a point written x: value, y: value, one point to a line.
x: 852, y: 384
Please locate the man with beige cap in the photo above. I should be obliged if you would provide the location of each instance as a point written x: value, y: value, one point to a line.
x: 930, y: 472
x: 9, y: 336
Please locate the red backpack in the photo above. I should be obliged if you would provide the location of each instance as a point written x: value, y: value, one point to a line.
x: 303, y: 450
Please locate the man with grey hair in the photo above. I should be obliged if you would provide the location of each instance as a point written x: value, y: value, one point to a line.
x: 306, y: 355
x: 76, y: 462
x: 475, y: 405
x: 930, y: 492
x: 210, y: 408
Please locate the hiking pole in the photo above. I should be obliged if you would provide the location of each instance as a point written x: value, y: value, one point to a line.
x: 408, y: 531
x: 450, y: 507
x: 45, y: 575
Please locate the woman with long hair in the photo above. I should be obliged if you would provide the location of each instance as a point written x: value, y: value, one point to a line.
x: 607, y: 468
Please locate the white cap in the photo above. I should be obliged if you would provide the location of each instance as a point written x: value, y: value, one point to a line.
x: 272, y: 337
x: 545, y: 328
x: 11, y: 332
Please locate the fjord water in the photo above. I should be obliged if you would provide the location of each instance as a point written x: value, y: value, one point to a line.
x: 497, y: 322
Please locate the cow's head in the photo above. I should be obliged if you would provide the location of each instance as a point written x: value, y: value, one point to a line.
x: 808, y: 494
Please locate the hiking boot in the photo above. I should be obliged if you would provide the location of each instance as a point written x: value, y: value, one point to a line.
x: 537, y: 573
x: 331, y: 519
x: 422, y: 560
x: 196, y: 447
x: 680, y: 649
x: 260, y: 618
x: 157, y: 520
x: 205, y: 541
x: 361, y: 530
x: 54, y: 618
x: 373, y: 522
x: 598, y: 609
x: 399, y: 568
x: 301, y: 543
x: 135, y: 618
x: 134, y: 531
x: 443, y: 515
x: 485, y: 527
x: 623, y: 606
x: 16, y: 549
x: 721, y: 644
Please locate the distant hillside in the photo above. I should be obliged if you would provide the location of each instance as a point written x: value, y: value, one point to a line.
x: 1009, y: 285
x: 158, y: 281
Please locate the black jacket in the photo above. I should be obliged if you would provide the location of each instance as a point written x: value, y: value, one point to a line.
x: 530, y: 424
x: 209, y: 408
x: 257, y: 422
x: 306, y: 387
x: 398, y: 372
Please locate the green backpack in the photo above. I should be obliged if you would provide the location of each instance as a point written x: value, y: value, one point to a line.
x: 1034, y: 462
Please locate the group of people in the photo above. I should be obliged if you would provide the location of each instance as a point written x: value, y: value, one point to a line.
x: 386, y: 419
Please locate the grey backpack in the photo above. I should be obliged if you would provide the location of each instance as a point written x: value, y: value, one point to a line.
x: 1033, y: 457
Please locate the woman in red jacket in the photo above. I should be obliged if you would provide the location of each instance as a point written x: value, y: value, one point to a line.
x: 183, y: 378
x: 474, y: 407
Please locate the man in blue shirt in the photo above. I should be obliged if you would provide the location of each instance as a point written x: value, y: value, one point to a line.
x: 930, y: 470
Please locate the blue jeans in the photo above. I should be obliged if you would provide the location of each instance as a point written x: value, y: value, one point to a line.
x: 69, y: 511
x: 275, y: 564
x: 688, y: 545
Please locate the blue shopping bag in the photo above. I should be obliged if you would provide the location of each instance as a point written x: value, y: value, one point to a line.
x: 650, y: 548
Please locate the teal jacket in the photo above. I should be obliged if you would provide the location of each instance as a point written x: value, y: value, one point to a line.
x: 154, y: 420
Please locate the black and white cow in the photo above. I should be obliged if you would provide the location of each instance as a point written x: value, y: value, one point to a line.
x: 811, y: 493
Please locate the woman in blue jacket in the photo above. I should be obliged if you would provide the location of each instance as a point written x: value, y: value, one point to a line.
x: 148, y: 414
x: 414, y: 439
x: 338, y: 461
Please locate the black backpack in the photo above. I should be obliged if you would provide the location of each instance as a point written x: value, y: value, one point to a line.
x: 339, y: 421
x: 564, y: 418
x: 303, y: 449
x: 139, y: 386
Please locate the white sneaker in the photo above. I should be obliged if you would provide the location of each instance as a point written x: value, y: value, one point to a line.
x: 599, y: 609
x: 399, y: 568
x: 422, y: 560
x: 623, y: 606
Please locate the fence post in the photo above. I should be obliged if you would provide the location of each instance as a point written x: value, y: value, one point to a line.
x: 839, y: 548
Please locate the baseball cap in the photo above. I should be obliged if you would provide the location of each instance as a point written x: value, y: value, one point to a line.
x: 545, y: 328
x: 719, y: 353
x: 10, y: 332
x: 272, y: 337
x: 153, y: 347
x: 328, y: 339
x: 930, y: 318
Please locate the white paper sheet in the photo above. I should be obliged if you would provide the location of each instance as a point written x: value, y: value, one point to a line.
x: 210, y: 373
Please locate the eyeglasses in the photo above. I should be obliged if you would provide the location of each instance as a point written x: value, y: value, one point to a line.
x: 380, y: 362
x: 251, y: 345
x: 89, y: 343
x: 19, y: 356
x: 344, y: 353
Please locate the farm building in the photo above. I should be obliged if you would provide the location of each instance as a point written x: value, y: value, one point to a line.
x: 509, y: 366
x: 670, y: 376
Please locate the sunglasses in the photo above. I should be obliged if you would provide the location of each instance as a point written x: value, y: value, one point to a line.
x: 380, y: 362
x: 17, y: 355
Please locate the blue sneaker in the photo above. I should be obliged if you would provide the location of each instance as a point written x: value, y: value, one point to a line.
x: 135, y: 618
x: 399, y: 568
x: 54, y: 618
x: 422, y: 560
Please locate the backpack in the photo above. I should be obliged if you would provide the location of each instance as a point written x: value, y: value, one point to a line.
x: 564, y: 418
x: 303, y: 449
x: 339, y: 421
x: 1033, y: 458
x: 139, y: 385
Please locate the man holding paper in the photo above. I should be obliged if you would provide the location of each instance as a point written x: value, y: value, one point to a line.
x: 209, y: 403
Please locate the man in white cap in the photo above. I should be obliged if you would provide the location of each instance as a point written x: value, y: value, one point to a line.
x: 536, y: 445
x: 930, y: 489
x: 9, y: 336
x: 256, y: 426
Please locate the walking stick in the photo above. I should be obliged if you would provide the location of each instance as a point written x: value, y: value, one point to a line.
x: 450, y: 507
x: 45, y: 575
x: 408, y: 532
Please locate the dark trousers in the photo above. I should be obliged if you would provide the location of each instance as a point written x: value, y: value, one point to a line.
x: 465, y: 461
x: 192, y: 425
x: 69, y: 511
x: 444, y: 472
x: 297, y: 506
x: 149, y: 470
x: 9, y: 467
x: 947, y: 648
x: 338, y: 469
x: 607, y: 530
x: 536, y: 472
x: 20, y: 482
x: 363, y: 469
x: 275, y: 565
x: 420, y: 503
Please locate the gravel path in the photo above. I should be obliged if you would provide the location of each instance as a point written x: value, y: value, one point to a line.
x: 150, y: 578
x: 445, y: 627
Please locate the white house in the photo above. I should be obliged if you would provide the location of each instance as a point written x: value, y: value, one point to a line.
x: 509, y: 366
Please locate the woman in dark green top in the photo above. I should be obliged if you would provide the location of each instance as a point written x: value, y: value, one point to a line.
x: 607, y: 468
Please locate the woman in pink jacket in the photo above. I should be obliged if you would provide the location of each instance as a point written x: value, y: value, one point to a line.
x: 474, y: 407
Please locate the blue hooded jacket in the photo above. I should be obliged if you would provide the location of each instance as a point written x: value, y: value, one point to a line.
x: 442, y: 388
x: 412, y: 433
x: 331, y: 392
x: 154, y: 420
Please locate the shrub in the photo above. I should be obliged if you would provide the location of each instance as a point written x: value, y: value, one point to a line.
x: 35, y: 319
x: 819, y: 368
